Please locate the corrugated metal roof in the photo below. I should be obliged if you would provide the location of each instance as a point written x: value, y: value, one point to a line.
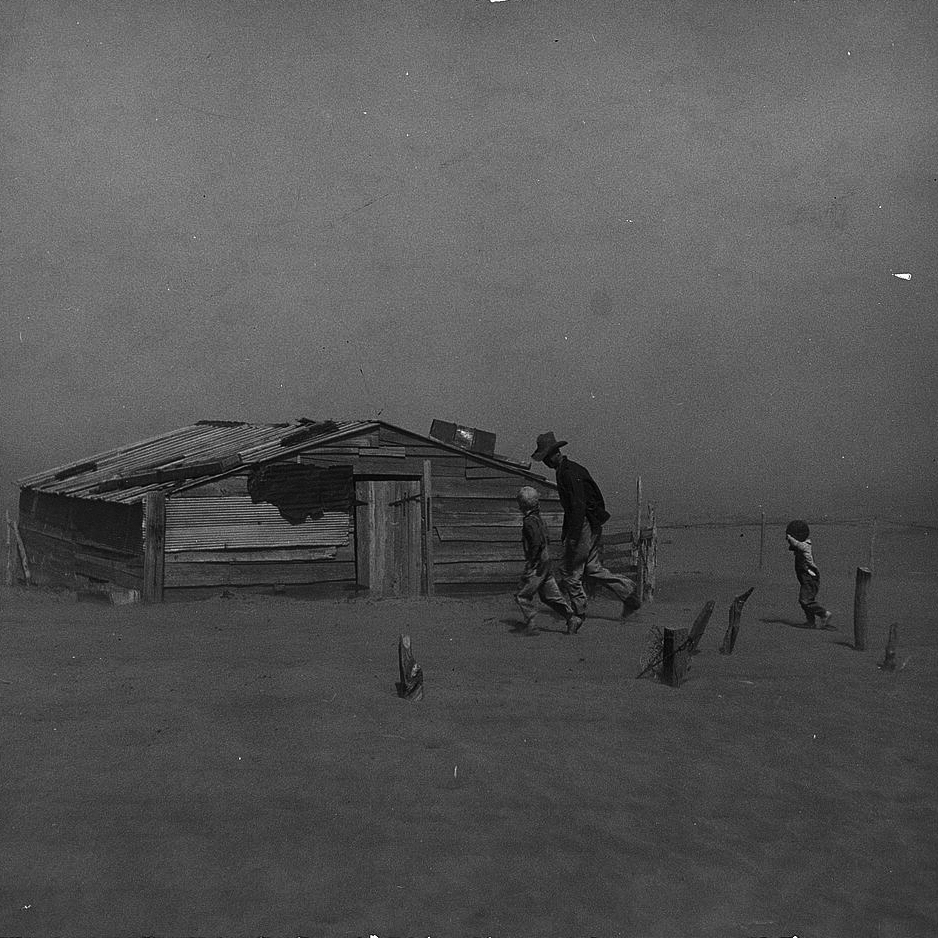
x: 196, y: 445
x: 113, y: 476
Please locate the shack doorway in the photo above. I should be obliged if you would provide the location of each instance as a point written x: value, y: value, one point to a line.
x: 388, y: 546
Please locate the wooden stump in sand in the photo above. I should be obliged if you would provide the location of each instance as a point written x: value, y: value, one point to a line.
x: 675, y: 653
x: 732, y: 630
x: 859, y: 608
x: 410, y: 686
x: 892, y: 643
x: 697, y: 629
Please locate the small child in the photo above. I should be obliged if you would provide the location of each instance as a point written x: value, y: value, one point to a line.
x: 798, y: 536
x: 538, y: 578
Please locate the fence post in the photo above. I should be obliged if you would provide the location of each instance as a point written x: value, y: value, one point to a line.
x: 859, y: 608
x: 9, y: 576
x: 762, y: 540
x: 675, y: 655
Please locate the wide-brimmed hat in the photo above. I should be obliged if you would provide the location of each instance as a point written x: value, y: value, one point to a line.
x: 547, y: 443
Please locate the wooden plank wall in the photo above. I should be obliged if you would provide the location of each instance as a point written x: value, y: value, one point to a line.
x: 79, y: 543
x: 476, y: 525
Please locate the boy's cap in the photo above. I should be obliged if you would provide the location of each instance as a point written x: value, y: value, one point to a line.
x: 798, y: 530
x: 528, y: 495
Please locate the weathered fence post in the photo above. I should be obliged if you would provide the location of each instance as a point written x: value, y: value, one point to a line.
x: 638, y: 510
x: 410, y: 686
x: 697, y: 629
x: 736, y: 611
x: 761, y: 540
x: 674, y: 652
x: 859, y: 608
x: 9, y: 575
x: 651, y: 558
x: 27, y: 575
x: 892, y: 644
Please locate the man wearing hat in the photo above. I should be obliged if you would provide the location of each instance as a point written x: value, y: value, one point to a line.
x: 584, y: 514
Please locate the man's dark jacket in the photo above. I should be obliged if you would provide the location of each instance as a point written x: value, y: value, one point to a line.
x: 580, y: 497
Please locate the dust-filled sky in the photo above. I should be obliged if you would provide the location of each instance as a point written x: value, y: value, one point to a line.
x: 667, y: 232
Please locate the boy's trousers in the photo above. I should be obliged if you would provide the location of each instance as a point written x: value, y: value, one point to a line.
x: 810, y: 581
x: 538, y: 580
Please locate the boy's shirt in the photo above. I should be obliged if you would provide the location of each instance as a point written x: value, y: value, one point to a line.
x: 804, y: 559
x: 534, y: 537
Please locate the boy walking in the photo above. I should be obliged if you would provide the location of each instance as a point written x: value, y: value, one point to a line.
x: 538, y: 579
x: 809, y: 577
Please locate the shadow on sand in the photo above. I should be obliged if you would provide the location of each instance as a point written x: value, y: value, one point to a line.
x: 795, y: 624
x: 541, y: 624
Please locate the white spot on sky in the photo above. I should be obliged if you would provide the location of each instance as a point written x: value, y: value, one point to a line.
x: 903, y: 276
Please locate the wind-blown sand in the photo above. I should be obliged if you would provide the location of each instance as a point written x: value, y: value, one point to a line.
x: 243, y: 766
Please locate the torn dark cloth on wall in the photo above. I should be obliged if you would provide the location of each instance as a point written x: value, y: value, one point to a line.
x: 302, y: 492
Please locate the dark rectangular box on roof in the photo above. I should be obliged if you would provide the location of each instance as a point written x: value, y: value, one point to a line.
x: 470, y: 438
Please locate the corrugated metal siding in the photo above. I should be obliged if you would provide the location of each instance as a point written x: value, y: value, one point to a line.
x: 237, y: 522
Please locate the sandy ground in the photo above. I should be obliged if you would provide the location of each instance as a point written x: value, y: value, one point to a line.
x: 243, y: 767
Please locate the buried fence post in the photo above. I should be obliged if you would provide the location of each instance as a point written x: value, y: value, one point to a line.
x: 9, y: 576
x: 411, y: 683
x: 697, y: 629
x: 859, y: 608
x: 27, y: 575
x: 736, y: 611
x: 762, y: 540
x: 674, y: 662
x: 889, y: 661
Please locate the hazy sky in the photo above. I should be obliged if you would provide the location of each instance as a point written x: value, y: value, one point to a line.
x: 665, y: 231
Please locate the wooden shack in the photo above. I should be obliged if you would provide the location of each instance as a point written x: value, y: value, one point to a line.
x: 316, y: 507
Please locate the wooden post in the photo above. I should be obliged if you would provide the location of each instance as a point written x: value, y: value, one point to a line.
x: 736, y: 611
x: 9, y: 576
x: 638, y: 510
x: 762, y: 540
x: 889, y: 661
x: 24, y: 560
x: 154, y: 541
x: 640, y: 569
x: 674, y: 664
x: 410, y: 686
x: 426, y: 514
x: 697, y: 629
x: 859, y: 608
x: 651, y: 558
